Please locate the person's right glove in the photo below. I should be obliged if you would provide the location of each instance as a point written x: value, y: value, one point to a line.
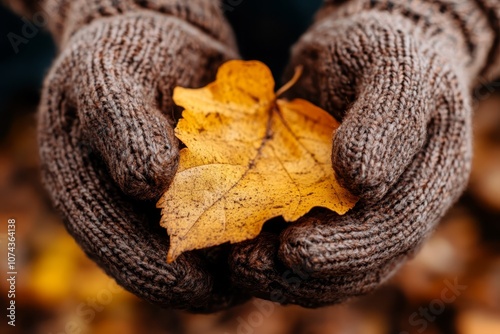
x: 398, y: 74
x: 107, y: 144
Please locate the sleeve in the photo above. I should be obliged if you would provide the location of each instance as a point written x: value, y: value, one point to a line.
x: 473, y: 26
x: 65, y: 17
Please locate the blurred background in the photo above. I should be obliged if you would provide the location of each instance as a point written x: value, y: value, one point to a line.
x: 452, y: 286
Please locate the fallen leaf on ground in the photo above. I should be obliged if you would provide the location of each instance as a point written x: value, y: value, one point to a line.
x: 249, y: 157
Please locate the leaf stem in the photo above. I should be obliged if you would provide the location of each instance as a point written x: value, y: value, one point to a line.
x: 293, y: 81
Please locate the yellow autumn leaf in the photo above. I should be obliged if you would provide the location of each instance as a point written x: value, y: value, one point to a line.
x: 249, y: 157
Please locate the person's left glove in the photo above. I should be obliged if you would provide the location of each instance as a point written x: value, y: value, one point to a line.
x: 107, y: 146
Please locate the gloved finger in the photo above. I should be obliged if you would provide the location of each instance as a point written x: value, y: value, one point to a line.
x: 106, y: 225
x: 268, y: 278
x: 379, y: 79
x: 367, y: 244
x: 123, y: 94
x: 135, y: 140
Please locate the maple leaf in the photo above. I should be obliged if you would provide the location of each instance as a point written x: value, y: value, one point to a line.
x: 249, y: 157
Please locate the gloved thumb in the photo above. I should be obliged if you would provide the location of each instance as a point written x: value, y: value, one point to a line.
x: 124, y: 124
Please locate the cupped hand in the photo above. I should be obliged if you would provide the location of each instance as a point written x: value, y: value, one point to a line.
x: 404, y: 147
x: 108, y: 150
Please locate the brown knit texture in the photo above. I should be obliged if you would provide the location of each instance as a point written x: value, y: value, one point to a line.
x: 492, y: 10
x: 108, y: 150
x: 398, y: 73
x: 65, y: 17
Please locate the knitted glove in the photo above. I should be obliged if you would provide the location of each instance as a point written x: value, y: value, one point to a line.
x: 107, y: 146
x: 398, y: 73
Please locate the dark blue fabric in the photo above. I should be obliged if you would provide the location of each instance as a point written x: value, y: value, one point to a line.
x: 21, y: 70
x: 267, y: 28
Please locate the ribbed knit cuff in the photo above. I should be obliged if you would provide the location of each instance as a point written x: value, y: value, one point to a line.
x: 65, y: 17
x: 471, y: 27
x: 492, y: 10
